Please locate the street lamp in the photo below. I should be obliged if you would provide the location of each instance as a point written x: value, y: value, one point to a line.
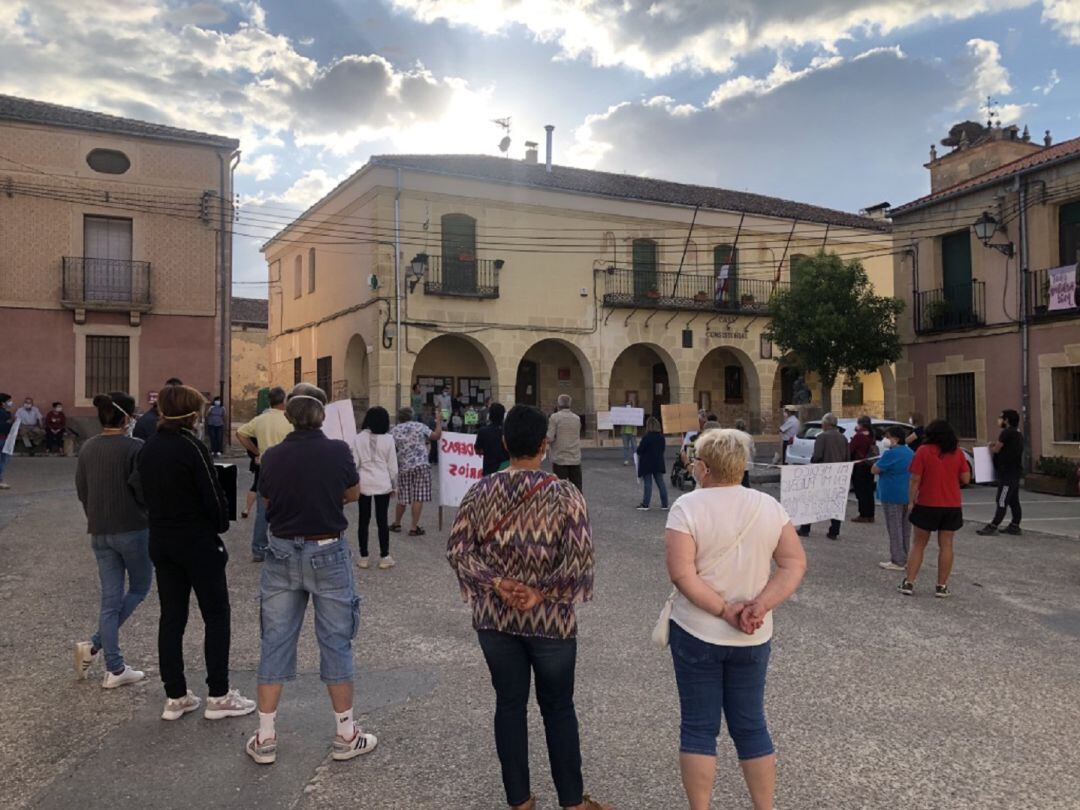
x: 985, y: 228
x: 417, y: 270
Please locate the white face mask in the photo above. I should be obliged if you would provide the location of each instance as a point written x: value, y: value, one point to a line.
x: 217, y: 402
x: 28, y: 405
x: 59, y: 410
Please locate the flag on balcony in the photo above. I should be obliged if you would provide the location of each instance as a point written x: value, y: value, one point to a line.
x: 1062, y: 293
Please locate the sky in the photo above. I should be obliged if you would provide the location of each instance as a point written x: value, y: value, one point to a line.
x: 834, y: 102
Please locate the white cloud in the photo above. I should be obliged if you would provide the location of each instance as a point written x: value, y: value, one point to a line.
x: 659, y: 38
x: 989, y: 79
x: 1052, y: 81
x: 1063, y: 15
x: 261, y: 167
x: 310, y: 187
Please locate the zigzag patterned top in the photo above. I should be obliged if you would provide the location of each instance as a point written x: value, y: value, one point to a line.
x: 547, y: 543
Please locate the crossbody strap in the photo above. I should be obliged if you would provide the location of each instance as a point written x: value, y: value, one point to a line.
x: 501, y: 523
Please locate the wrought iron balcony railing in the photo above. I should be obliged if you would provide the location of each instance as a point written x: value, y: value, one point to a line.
x: 962, y: 306
x: 462, y: 277
x: 670, y: 290
x: 119, y: 284
x: 1039, y: 303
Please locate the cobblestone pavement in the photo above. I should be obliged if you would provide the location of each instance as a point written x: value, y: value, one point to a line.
x: 874, y: 700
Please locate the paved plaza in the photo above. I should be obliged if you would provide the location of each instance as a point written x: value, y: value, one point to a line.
x: 874, y: 700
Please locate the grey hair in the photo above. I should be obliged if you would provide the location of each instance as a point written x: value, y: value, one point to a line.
x: 865, y: 421
x: 405, y: 415
x: 829, y: 419
x: 740, y: 425
x: 564, y: 401
x: 305, y: 407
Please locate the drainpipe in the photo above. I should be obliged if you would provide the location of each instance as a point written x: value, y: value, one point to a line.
x: 1025, y: 390
x: 397, y: 293
x: 549, y: 129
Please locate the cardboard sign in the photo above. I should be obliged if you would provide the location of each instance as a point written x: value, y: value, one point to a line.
x: 1062, y: 292
x: 984, y: 465
x: 340, y: 422
x: 679, y: 418
x: 603, y: 421
x: 625, y: 415
x: 9, y: 444
x: 814, y: 492
x: 459, y: 467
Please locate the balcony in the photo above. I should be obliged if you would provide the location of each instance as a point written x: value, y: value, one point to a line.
x: 667, y: 290
x: 105, y: 284
x: 1039, y: 298
x: 462, y: 277
x: 951, y: 308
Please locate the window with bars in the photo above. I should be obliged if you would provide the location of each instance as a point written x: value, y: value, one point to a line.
x: 298, y: 276
x: 108, y: 366
x: 956, y: 403
x: 1065, y: 383
x: 324, y: 375
x: 297, y: 371
x: 311, y: 270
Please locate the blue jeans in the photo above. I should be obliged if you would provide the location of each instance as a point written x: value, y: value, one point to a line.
x: 258, y: 532
x: 512, y: 660
x: 116, y: 555
x: 295, y: 569
x: 715, y: 679
x: 629, y: 445
x: 648, y: 481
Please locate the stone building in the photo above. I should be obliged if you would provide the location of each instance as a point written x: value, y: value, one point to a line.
x: 250, y: 369
x: 114, y: 273
x: 974, y: 266
x: 526, y: 280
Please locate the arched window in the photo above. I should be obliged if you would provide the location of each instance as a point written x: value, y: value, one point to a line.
x: 646, y: 259
x: 298, y: 276
x: 311, y: 270
x: 459, y: 253
x: 108, y: 161
x: 726, y: 272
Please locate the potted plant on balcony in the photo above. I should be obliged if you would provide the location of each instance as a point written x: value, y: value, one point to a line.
x: 701, y: 295
x: 1054, y: 475
x: 746, y: 300
x: 652, y: 294
x: 936, y: 312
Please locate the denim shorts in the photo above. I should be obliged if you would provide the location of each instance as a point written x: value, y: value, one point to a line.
x: 715, y: 680
x: 293, y: 569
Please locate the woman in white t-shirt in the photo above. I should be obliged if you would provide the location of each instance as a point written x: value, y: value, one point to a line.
x: 376, y: 458
x: 722, y: 540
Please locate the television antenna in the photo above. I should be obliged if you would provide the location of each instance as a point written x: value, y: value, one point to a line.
x: 504, y: 144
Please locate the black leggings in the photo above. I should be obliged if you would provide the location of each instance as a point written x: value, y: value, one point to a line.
x: 382, y: 507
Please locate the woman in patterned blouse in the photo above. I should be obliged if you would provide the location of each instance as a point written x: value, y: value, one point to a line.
x: 521, y: 547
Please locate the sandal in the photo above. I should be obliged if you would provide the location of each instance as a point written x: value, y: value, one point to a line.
x: 395, y: 527
x: 419, y: 530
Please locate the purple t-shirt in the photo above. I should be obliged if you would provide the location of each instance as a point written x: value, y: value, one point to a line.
x: 304, y: 479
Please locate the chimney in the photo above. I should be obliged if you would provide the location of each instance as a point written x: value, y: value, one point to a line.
x: 975, y: 149
x: 549, y: 129
x: 1047, y: 140
x: 531, y: 152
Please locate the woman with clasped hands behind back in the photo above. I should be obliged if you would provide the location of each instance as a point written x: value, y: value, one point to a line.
x: 721, y: 542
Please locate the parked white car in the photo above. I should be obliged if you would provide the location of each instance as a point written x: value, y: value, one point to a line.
x: 803, y: 447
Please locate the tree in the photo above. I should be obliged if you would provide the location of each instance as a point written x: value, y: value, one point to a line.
x: 832, y: 323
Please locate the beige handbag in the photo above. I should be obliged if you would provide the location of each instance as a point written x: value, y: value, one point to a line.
x: 661, y: 629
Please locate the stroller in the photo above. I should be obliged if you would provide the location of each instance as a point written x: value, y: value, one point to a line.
x: 681, y: 479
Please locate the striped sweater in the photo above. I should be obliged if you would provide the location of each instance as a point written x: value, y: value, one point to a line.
x: 545, y: 543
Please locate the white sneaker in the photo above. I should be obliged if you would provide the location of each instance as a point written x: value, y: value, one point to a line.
x: 175, y: 708
x: 262, y: 751
x: 386, y: 562
x: 84, y: 659
x: 4, y: 486
x: 232, y: 704
x: 889, y: 565
x: 365, y: 563
x: 129, y: 675
x: 361, y: 743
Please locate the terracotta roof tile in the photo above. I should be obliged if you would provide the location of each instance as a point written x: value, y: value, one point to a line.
x: 250, y: 311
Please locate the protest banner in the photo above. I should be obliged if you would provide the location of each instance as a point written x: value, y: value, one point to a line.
x: 459, y: 467
x: 679, y: 418
x: 1061, y: 293
x: 984, y: 465
x: 603, y: 421
x: 340, y: 422
x: 625, y: 415
x: 814, y: 492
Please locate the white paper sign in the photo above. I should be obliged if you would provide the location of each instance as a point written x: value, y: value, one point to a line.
x: 1062, y: 293
x: 984, y: 465
x: 459, y: 467
x: 625, y: 415
x: 603, y: 421
x: 9, y: 444
x: 815, y: 492
x: 340, y: 422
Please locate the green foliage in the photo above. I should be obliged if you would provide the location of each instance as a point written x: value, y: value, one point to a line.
x: 831, y: 321
x: 1058, y: 467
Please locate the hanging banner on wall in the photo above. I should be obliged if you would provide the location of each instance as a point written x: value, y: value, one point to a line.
x: 1062, y: 292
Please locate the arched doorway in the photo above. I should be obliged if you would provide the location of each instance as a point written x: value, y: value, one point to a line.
x: 552, y: 367
x: 727, y: 384
x: 357, y: 372
x: 456, y: 362
x: 646, y: 374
